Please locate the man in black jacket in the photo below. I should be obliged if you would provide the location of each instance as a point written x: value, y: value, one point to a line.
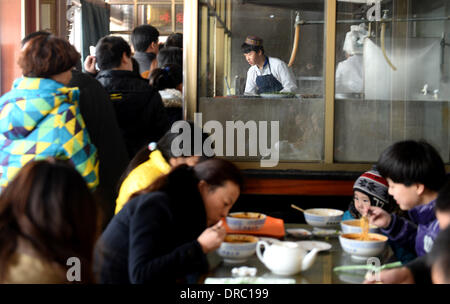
x: 140, y: 112
x: 100, y: 118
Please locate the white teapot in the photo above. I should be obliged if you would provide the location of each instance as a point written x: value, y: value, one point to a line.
x: 285, y: 258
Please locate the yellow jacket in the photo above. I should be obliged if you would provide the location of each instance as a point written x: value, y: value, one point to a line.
x: 141, y: 177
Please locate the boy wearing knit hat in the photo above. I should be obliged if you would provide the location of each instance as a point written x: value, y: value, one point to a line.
x: 266, y: 74
x: 370, y: 189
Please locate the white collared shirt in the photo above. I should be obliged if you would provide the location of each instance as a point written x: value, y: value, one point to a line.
x: 279, y: 70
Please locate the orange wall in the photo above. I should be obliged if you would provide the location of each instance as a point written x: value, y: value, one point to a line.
x: 10, y: 35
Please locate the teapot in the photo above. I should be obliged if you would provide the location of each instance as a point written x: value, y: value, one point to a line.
x: 285, y: 258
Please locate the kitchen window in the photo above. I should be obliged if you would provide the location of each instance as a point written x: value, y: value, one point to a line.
x: 403, y: 68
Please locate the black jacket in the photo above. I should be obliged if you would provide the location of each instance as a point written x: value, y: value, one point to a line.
x: 153, y: 239
x: 140, y: 112
x: 105, y: 134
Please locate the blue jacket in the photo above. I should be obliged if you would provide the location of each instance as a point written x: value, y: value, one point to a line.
x: 418, y: 233
x: 40, y: 118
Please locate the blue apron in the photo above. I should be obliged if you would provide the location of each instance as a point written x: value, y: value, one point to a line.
x: 267, y: 83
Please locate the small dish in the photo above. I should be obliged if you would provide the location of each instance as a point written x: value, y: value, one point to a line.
x: 299, y: 233
x: 325, y: 232
x: 310, y: 245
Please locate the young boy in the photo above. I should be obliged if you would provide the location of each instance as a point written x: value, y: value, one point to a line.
x: 415, y: 172
x: 370, y: 189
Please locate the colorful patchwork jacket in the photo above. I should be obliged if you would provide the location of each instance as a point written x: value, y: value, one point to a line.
x: 40, y: 118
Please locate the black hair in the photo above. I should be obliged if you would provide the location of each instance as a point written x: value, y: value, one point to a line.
x: 174, y: 39
x: 408, y: 162
x: 32, y: 35
x: 440, y: 254
x: 136, y: 67
x: 443, y: 199
x: 169, y: 76
x: 142, y: 36
x: 170, y: 55
x: 247, y: 48
x: 109, y: 52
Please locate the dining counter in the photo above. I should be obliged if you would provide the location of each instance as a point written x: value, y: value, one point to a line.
x: 321, y: 272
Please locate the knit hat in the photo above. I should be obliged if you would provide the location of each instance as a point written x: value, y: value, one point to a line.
x: 372, y: 184
x: 254, y: 40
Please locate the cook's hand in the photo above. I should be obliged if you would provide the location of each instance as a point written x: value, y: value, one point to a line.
x: 393, y: 276
x: 379, y: 217
x: 89, y: 64
x: 212, y: 237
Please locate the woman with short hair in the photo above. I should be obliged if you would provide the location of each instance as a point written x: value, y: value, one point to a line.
x: 40, y: 116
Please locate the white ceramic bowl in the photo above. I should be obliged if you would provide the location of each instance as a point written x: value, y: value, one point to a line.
x: 353, y: 226
x: 246, y: 220
x: 237, y: 248
x: 323, y: 217
x: 362, y: 250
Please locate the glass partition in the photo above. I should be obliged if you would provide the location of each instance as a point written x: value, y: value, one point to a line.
x: 223, y: 74
x: 392, y: 76
x: 165, y: 15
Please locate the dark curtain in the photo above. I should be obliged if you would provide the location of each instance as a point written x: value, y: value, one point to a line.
x: 95, y: 23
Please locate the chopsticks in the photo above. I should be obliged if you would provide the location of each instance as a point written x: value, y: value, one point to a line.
x: 368, y: 267
x: 298, y: 208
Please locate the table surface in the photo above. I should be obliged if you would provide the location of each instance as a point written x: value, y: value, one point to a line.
x: 321, y: 272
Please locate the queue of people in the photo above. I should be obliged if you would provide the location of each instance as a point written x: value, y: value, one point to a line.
x: 65, y: 151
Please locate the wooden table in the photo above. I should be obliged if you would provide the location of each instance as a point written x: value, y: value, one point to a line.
x: 321, y: 272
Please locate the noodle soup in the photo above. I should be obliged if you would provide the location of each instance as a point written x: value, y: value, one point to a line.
x: 237, y: 248
x: 353, y: 226
x: 245, y: 220
x: 362, y: 250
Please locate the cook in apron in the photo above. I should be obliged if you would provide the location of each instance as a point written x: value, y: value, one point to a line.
x: 267, y: 83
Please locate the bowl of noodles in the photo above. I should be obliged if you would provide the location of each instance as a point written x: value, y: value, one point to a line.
x: 323, y: 217
x: 354, y: 226
x: 237, y: 248
x: 246, y: 220
x: 362, y: 247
